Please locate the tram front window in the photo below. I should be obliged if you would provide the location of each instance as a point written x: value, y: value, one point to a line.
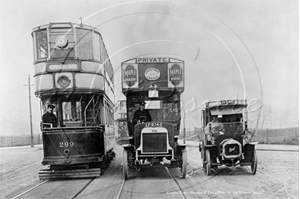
x: 72, y: 111
x: 62, y: 43
x: 81, y: 111
x: 41, y: 45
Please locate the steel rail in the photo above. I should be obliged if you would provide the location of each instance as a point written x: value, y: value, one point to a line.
x: 30, y: 189
x: 120, y: 190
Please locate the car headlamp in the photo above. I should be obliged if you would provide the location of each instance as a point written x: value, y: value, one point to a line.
x: 249, y: 135
x: 208, y: 137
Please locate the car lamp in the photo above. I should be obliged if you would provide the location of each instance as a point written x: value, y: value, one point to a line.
x: 208, y: 137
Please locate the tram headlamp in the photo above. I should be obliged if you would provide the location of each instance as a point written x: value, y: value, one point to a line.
x: 63, y: 81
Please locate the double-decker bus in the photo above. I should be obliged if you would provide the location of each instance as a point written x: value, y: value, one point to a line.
x: 156, y: 83
x: 73, y: 73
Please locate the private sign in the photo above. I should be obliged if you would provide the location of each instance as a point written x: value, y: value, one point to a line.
x: 153, y: 60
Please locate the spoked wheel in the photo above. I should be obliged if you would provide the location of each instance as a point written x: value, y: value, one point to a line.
x: 184, y: 163
x: 203, y: 159
x: 208, y: 163
x: 125, y: 165
x: 254, y: 162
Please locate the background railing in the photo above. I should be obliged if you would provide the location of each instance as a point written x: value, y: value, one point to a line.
x: 19, y: 140
x: 263, y: 136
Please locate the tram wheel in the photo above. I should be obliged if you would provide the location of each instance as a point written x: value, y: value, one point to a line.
x: 184, y: 163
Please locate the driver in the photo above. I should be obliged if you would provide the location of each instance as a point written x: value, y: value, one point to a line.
x: 141, y: 115
x: 215, y: 125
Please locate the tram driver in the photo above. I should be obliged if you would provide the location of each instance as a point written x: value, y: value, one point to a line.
x: 141, y: 115
x: 49, y: 118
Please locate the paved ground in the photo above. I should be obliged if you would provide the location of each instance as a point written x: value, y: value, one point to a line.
x: 277, y: 177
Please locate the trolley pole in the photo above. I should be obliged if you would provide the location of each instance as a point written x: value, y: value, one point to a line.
x: 30, y: 113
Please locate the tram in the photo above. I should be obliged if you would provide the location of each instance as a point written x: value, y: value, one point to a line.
x: 73, y: 73
x: 156, y: 83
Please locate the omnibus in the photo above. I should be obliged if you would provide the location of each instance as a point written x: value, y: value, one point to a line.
x: 158, y: 83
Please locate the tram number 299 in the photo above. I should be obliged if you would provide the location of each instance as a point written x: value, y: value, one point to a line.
x: 66, y: 144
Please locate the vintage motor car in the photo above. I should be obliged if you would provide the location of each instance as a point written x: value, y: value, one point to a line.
x: 225, y: 138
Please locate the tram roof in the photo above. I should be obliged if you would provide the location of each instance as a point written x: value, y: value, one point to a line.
x: 64, y: 25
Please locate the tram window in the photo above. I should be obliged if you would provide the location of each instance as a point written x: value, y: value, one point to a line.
x: 71, y: 111
x: 171, y: 111
x: 96, y: 46
x: 61, y: 42
x: 41, y: 44
x: 153, y: 104
x: 84, y: 43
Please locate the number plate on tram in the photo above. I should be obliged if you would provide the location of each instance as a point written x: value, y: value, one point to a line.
x: 66, y: 144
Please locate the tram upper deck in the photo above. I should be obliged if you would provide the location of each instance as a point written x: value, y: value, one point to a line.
x: 70, y: 57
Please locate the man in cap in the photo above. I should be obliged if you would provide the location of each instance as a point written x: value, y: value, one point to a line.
x: 215, y: 125
x: 49, y: 117
x: 141, y: 115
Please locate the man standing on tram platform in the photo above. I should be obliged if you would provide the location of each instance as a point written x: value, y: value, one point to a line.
x: 49, y: 117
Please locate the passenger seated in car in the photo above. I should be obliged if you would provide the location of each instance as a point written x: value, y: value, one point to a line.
x: 215, y: 126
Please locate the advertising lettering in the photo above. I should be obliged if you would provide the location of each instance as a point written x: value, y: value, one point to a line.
x: 130, y: 75
x: 175, y: 73
x: 152, y: 73
x: 56, y: 67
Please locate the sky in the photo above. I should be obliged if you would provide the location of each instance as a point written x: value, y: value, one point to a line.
x: 245, y: 49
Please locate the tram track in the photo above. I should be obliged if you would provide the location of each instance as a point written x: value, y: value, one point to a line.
x: 177, y: 183
x: 27, y: 191
x: 36, y: 188
x: 83, y: 188
x: 120, y: 190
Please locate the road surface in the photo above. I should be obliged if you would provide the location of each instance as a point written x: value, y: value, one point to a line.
x: 277, y: 177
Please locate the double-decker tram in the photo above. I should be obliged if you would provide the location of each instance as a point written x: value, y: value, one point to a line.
x: 153, y: 88
x: 74, y: 81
